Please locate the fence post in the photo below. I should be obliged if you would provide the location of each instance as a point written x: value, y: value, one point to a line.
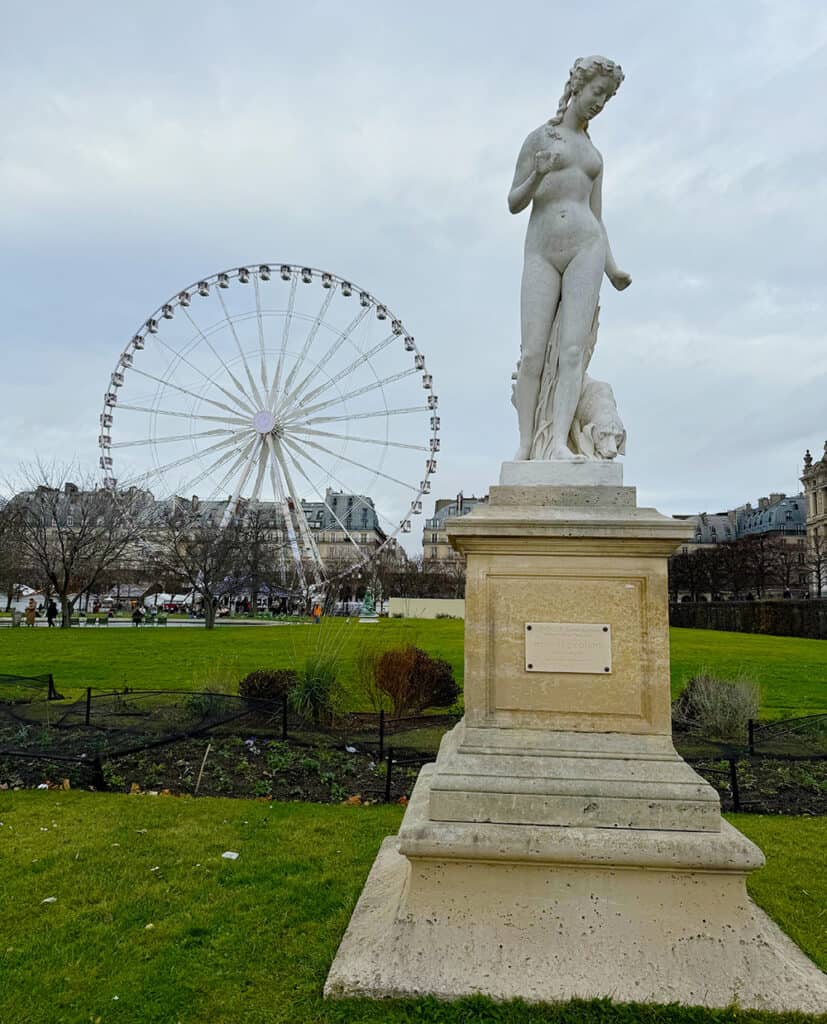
x: 389, y: 766
x: 52, y: 691
x: 98, y: 781
x: 381, y: 733
x: 751, y: 734
x: 88, y: 703
x: 284, y: 718
x: 733, y: 782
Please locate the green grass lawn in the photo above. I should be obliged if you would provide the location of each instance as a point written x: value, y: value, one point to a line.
x: 197, y: 658
x: 792, y: 672
x: 150, y: 925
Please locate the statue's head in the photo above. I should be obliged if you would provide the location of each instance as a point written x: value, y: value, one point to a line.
x: 592, y: 82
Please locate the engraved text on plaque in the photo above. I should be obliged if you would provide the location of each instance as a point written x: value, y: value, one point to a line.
x: 568, y: 647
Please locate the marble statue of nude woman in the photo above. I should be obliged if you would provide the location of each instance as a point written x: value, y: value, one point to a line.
x: 560, y: 173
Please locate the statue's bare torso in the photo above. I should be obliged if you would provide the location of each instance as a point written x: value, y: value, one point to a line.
x: 560, y: 173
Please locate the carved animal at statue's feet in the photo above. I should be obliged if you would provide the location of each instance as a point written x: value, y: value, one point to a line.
x: 597, y: 431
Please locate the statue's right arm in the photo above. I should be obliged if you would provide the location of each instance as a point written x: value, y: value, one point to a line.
x: 526, y: 177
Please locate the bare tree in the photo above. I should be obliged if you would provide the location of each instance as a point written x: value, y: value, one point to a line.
x: 734, y: 568
x: 191, y: 547
x: 788, y: 565
x: 13, y: 568
x: 265, y: 559
x: 759, y: 553
x: 72, y: 535
x: 815, y: 561
x: 688, y: 572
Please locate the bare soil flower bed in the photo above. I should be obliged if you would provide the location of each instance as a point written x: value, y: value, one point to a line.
x: 235, y: 767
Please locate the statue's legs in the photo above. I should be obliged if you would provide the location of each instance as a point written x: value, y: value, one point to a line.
x: 538, y: 303
x: 578, y: 301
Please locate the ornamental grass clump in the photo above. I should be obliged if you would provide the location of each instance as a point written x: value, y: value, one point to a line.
x: 717, y: 708
x: 314, y: 692
x: 267, y: 684
x: 413, y: 680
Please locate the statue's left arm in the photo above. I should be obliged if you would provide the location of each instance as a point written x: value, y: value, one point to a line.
x: 619, y: 278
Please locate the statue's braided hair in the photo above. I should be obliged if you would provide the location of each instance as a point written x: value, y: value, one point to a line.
x: 584, y: 70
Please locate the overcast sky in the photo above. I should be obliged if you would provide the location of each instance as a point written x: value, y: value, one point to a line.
x: 147, y: 145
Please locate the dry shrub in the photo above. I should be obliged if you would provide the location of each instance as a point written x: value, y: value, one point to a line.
x: 717, y: 708
x: 267, y: 684
x: 413, y: 680
x: 365, y: 663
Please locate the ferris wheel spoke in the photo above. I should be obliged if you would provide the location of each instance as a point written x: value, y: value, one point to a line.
x: 359, y: 465
x: 160, y: 470
x: 300, y: 412
x: 304, y: 529
x: 262, y: 466
x: 185, y: 415
x: 249, y: 462
x: 172, y: 437
x: 365, y: 357
x: 210, y: 469
x: 363, y: 501
x: 253, y: 387
x: 242, y: 393
x: 324, y: 361
x: 198, y: 370
x: 311, y: 336
x: 241, y: 455
x: 285, y: 335
x: 368, y: 415
x: 185, y: 391
x: 278, y: 493
x: 300, y: 469
x: 361, y: 440
x: 260, y: 327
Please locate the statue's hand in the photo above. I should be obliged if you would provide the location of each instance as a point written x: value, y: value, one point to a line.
x: 545, y: 160
x: 620, y: 279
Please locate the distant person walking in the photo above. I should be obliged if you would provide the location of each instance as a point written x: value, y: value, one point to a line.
x: 317, y: 613
x: 51, y: 612
x: 137, y: 617
x: 30, y: 612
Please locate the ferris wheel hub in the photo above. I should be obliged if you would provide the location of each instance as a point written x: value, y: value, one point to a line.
x: 264, y: 421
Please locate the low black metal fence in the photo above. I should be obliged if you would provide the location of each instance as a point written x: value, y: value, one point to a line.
x: 16, y: 689
x: 105, y: 726
x: 790, y: 738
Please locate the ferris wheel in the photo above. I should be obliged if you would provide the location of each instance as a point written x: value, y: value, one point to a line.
x: 277, y: 383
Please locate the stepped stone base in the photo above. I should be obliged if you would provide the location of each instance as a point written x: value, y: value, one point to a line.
x: 560, y: 847
x: 554, y: 913
x: 544, y: 777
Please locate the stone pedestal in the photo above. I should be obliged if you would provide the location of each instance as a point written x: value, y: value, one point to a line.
x: 560, y: 847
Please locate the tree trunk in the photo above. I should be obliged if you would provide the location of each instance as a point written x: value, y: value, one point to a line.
x: 65, y: 612
x: 209, y: 613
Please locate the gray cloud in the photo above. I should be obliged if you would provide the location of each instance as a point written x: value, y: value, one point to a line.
x: 141, y: 150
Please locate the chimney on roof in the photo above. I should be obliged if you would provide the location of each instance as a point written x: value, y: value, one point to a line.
x: 763, y: 503
x: 775, y: 498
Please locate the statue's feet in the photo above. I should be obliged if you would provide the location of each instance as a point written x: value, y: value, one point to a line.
x: 564, y: 454
x: 522, y: 453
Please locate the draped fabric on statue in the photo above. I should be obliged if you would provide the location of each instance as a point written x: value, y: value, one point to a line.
x: 541, y: 445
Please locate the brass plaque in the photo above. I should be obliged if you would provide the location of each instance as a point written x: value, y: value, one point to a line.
x: 568, y: 647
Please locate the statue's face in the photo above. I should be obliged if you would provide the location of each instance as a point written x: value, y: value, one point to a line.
x: 594, y: 95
